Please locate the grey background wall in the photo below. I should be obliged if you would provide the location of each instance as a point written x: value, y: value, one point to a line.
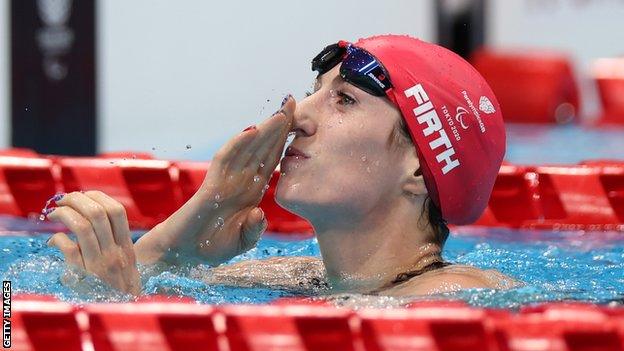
x: 195, y: 72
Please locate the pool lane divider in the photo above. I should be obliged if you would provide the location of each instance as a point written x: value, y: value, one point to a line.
x: 44, y: 324
x: 585, y: 196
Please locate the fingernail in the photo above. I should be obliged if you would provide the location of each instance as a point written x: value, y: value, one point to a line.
x: 56, y: 197
x: 47, y: 211
x: 249, y: 128
x: 285, y: 100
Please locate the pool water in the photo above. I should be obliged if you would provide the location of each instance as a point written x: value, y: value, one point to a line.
x: 579, y: 266
x: 554, y: 266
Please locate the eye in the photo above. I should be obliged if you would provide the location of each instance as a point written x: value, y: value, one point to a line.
x: 345, y: 99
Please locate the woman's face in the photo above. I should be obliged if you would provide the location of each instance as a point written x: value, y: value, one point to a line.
x: 348, y: 166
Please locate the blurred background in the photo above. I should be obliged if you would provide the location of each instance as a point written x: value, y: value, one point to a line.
x: 178, y: 78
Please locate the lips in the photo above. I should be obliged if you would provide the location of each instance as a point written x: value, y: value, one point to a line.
x: 293, y: 158
x: 292, y: 151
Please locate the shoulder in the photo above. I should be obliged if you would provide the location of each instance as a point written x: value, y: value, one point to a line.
x: 453, y: 278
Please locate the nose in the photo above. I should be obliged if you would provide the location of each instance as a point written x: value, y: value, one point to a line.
x: 304, y: 124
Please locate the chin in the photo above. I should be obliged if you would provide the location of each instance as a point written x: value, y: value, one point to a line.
x: 290, y: 196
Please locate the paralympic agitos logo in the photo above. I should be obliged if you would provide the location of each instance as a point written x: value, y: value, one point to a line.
x: 459, y: 116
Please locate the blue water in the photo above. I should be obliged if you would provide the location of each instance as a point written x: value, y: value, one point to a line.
x: 581, y: 266
x: 554, y: 266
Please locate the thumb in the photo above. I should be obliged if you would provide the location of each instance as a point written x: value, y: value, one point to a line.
x: 252, y: 228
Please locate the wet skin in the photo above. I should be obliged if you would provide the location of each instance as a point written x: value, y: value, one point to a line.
x: 359, y: 191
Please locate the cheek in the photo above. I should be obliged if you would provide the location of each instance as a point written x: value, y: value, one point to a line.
x: 356, y: 165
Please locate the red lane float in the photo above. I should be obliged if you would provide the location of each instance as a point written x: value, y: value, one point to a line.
x: 157, y: 325
x: 535, y: 87
x: 587, y: 196
x: 609, y: 76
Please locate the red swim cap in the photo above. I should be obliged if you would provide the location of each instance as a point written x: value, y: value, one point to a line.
x: 454, y: 120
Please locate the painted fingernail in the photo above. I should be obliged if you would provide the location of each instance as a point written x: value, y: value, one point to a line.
x: 285, y: 100
x: 56, y: 197
x: 249, y: 128
x: 47, y: 211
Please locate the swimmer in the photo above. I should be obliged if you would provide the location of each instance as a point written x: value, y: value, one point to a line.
x: 398, y: 139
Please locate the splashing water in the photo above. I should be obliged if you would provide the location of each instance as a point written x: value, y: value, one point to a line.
x: 256, y: 178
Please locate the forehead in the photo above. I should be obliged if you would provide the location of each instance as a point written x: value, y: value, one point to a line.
x: 330, y: 77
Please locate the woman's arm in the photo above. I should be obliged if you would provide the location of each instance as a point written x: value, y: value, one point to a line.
x: 303, y: 275
x: 222, y: 219
x: 219, y: 222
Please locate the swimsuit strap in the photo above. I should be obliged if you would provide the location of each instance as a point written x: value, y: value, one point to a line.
x: 402, y: 277
x: 405, y: 276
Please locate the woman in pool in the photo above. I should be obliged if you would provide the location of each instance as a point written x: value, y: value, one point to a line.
x: 399, y: 138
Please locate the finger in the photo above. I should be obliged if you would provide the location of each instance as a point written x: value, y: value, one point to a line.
x: 276, y: 141
x: 252, y: 228
x: 268, y: 131
x: 231, y: 149
x: 68, y: 248
x: 77, y: 224
x: 93, y: 212
x: 274, y: 155
x: 116, y: 215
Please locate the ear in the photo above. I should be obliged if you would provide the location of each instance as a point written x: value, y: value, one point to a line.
x: 414, y: 183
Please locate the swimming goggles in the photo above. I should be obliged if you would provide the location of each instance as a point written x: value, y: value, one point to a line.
x: 358, y: 67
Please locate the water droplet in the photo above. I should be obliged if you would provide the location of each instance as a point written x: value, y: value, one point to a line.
x: 188, y: 146
x: 177, y: 255
x: 26, y: 109
x: 207, y: 242
x: 220, y: 222
x: 261, y: 164
x: 201, y: 245
x: 266, y: 187
x: 41, y: 217
x: 340, y: 121
x: 216, y: 205
x: 198, y: 216
x: 256, y: 178
x: 363, y: 158
x: 217, y: 197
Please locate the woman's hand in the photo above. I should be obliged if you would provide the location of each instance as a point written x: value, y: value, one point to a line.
x: 104, y: 246
x: 222, y: 219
